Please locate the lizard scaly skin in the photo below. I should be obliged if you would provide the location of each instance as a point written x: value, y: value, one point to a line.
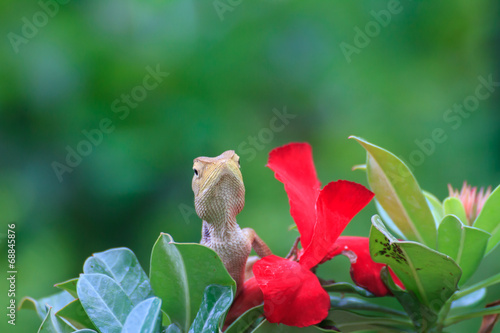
x: 219, y: 195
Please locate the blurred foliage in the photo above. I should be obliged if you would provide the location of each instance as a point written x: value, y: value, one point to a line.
x: 226, y: 76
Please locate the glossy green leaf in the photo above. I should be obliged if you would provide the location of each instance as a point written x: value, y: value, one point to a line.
x: 85, y: 330
x: 353, y: 303
x: 452, y: 320
x: 388, y: 222
x: 216, y: 301
x: 28, y: 303
x: 69, y: 286
x: 399, y: 194
x: 430, y: 275
x: 422, y: 316
x: 487, y: 282
x: 76, y: 315
x: 348, y: 321
x: 246, y: 321
x: 172, y: 328
x: 53, y: 324
x: 470, y: 299
x: 344, y: 287
x: 105, y: 302
x: 453, y: 206
x: 435, y: 206
x: 326, y: 327
x: 179, y: 275
x: 489, y: 219
x: 121, y: 265
x: 165, y: 319
x: 359, y: 167
x: 41, y: 306
x: 145, y: 317
x: 466, y: 245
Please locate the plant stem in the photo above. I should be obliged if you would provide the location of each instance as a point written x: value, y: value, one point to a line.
x: 473, y: 314
x: 442, y: 315
x: 483, y: 284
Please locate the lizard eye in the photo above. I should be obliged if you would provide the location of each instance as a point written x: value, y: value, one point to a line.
x: 196, y: 173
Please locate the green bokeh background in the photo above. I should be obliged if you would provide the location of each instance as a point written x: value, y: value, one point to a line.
x: 228, y: 76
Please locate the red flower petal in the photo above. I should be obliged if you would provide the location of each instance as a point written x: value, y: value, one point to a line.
x: 364, y: 271
x: 293, y: 166
x: 250, y: 296
x: 292, y: 294
x: 338, y: 202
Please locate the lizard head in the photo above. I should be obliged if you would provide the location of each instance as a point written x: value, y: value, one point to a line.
x: 219, y: 193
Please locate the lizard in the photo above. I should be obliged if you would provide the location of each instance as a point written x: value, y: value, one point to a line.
x: 219, y: 195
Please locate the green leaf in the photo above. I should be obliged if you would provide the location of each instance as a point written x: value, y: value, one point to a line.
x: 352, y: 303
x: 41, y: 306
x: 85, y: 330
x: 466, y: 245
x: 430, y: 275
x: 470, y: 299
x: 165, y: 319
x: 179, y: 275
x: 216, y: 301
x: 472, y: 314
x: 489, y: 219
x: 145, y: 317
x: 399, y: 194
x: 246, y: 321
x: 453, y: 206
x: 28, y: 303
x: 121, y: 265
x: 359, y: 167
x: 435, y: 206
x: 54, y: 324
x: 422, y: 317
x: 105, y: 302
x: 488, y: 282
x: 348, y: 321
x: 388, y: 222
x: 172, y: 328
x: 75, y: 314
x: 69, y: 286
x: 344, y: 287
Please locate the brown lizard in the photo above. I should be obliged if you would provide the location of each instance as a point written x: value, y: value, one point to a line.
x: 219, y: 195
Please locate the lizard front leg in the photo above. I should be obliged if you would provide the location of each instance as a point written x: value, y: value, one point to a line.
x: 258, y: 244
x: 260, y: 248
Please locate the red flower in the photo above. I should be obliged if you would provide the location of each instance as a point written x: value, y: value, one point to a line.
x: 364, y: 271
x: 250, y: 296
x: 292, y: 293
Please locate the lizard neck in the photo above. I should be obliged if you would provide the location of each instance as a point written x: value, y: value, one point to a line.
x: 220, y: 230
